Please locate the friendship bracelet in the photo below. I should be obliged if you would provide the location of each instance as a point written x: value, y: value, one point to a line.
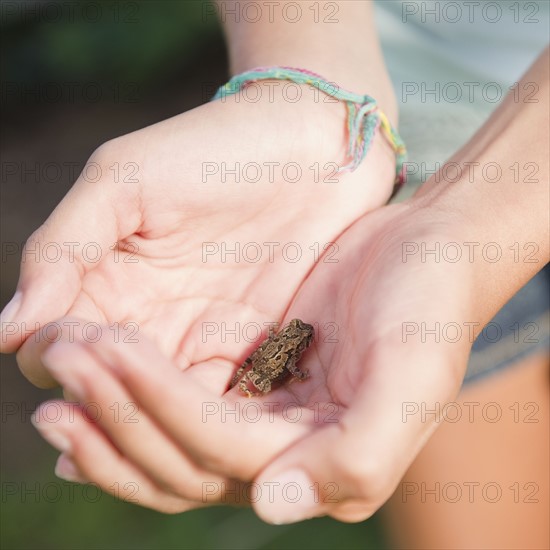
x: 364, y: 115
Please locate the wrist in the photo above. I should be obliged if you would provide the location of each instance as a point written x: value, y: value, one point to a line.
x: 321, y: 40
x: 500, y: 248
x: 297, y: 123
x: 344, y: 77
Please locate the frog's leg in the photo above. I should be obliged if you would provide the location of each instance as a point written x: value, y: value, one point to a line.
x: 261, y: 383
x: 294, y: 370
x: 243, y: 385
x: 239, y: 373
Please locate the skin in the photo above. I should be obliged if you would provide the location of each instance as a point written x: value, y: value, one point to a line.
x: 368, y: 372
x: 168, y: 217
x: 518, y: 519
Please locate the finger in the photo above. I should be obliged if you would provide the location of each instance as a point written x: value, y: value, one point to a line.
x: 94, y: 458
x: 212, y: 429
x: 88, y: 221
x: 349, y: 469
x: 66, y: 469
x: 129, y: 427
x: 29, y: 355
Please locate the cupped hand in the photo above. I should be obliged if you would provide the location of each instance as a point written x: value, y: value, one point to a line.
x: 180, y: 225
x: 335, y: 444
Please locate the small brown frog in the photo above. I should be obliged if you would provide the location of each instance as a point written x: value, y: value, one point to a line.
x: 274, y: 361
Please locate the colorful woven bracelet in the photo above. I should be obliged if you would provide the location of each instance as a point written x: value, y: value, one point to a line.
x: 364, y: 116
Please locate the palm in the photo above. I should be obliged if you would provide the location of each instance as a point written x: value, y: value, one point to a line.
x: 349, y: 412
x: 163, y: 237
x: 366, y: 307
x: 381, y: 298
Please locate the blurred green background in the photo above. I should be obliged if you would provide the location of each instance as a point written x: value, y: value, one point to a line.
x: 73, y: 76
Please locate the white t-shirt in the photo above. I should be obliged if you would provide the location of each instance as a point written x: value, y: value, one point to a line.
x: 452, y: 63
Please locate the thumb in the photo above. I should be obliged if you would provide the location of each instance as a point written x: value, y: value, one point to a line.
x: 330, y: 473
x: 349, y: 468
x: 91, y: 218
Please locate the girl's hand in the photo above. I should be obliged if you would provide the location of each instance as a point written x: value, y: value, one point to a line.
x: 179, y: 240
x: 341, y: 440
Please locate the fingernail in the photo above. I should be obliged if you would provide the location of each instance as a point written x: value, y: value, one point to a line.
x: 292, y: 498
x: 12, y: 307
x: 66, y: 469
x: 51, y: 433
x: 65, y: 372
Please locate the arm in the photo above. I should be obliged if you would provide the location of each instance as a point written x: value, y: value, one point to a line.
x: 177, y: 150
x: 383, y: 373
x: 513, y: 209
x: 335, y: 39
x: 370, y: 372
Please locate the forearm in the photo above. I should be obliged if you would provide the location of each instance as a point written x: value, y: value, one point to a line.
x: 511, y: 210
x: 335, y: 39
